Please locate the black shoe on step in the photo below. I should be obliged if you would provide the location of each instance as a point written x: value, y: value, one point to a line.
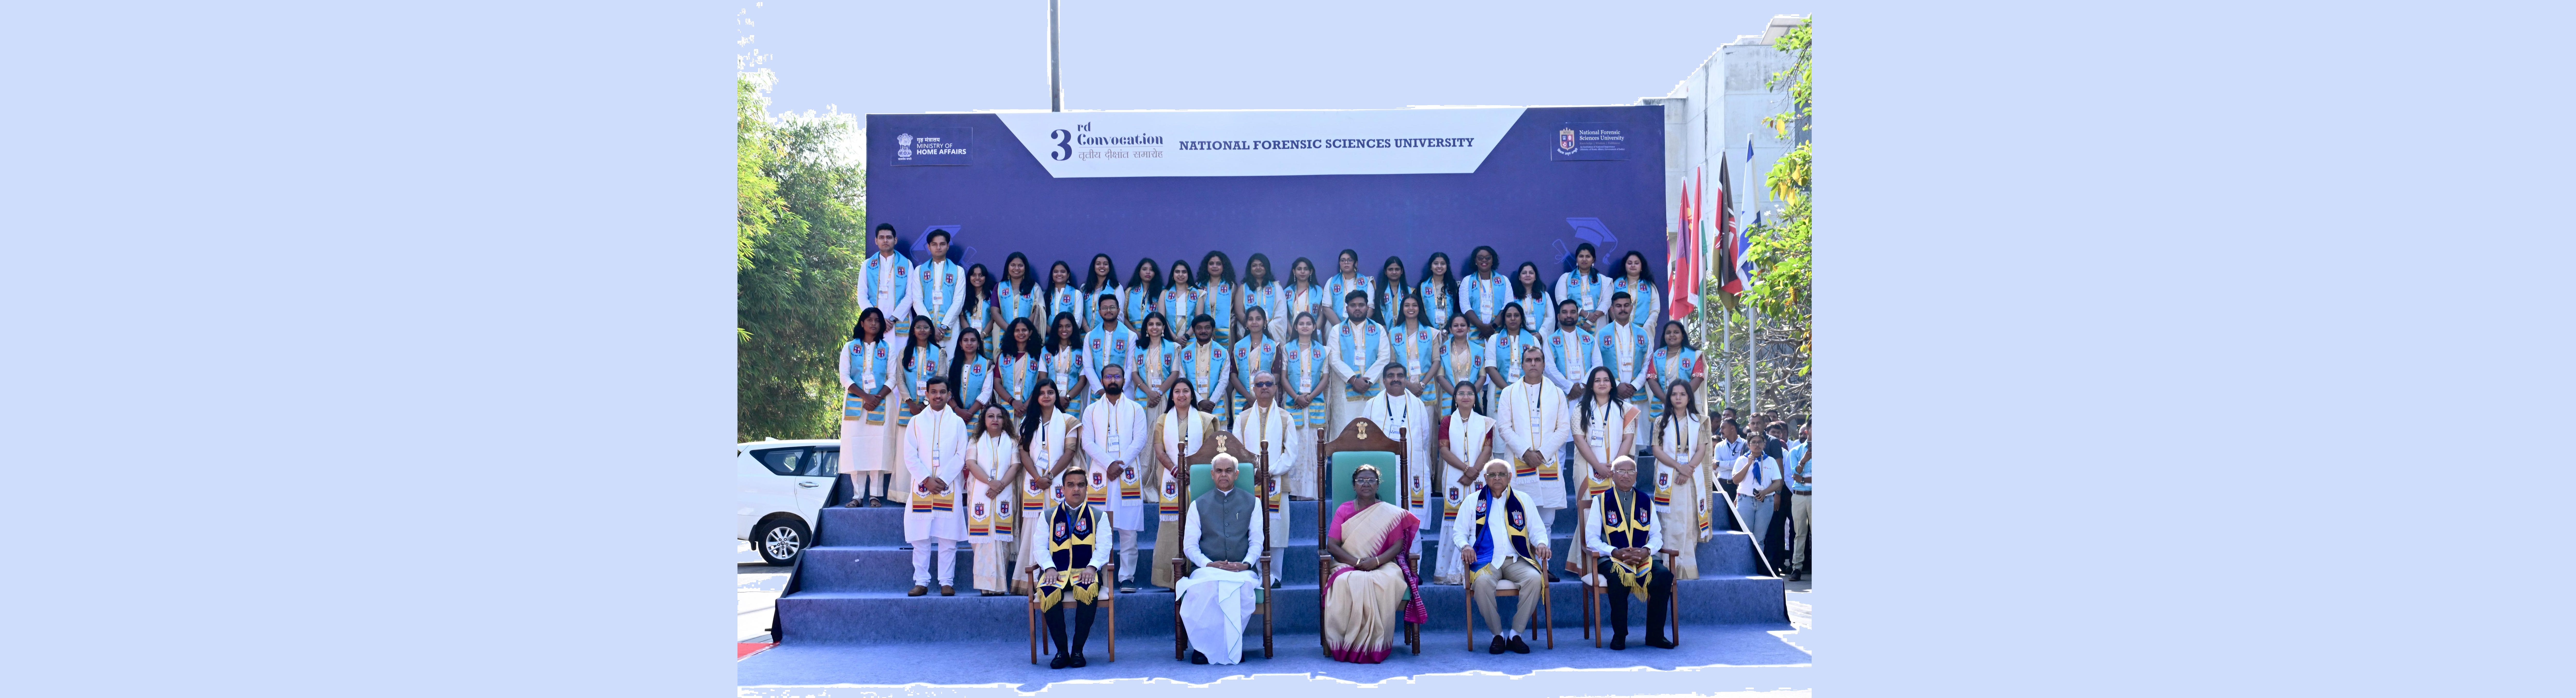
x: 1659, y: 641
x: 1518, y: 646
x: 1196, y: 658
x: 1496, y: 647
x: 1061, y: 659
x: 1618, y: 642
x: 1079, y: 662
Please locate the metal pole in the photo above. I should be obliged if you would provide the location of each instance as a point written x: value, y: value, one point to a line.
x: 1055, y: 72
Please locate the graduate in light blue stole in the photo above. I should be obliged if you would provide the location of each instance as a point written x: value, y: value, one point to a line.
x: 918, y: 359
x: 1181, y: 298
x: 1307, y: 363
x: 1413, y: 339
x: 941, y: 291
x: 1142, y: 296
x: 1016, y: 366
x: 1458, y: 358
x: 1065, y: 365
x: 1511, y: 334
x: 1218, y: 295
x: 1103, y: 279
x: 1206, y: 362
x: 1346, y: 280
x: 1438, y: 291
x: 1585, y: 285
x: 866, y: 365
x: 1110, y: 343
x: 1624, y: 345
x: 970, y: 372
x: 1359, y: 349
x: 1482, y: 294
x: 1256, y: 352
x: 1262, y: 291
x: 1572, y: 351
x: 885, y: 281
x: 1063, y: 296
x: 1018, y: 296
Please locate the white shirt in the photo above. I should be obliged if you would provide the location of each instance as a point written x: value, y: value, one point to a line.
x: 1592, y: 534
x: 941, y: 286
x: 1258, y: 424
x: 892, y: 293
x: 1361, y: 342
x: 1628, y: 348
x: 1592, y: 294
x: 1114, y: 431
x: 1406, y: 413
x: 1212, y: 382
x: 1499, y: 522
x: 1769, y: 473
x: 1534, y: 417
x: 1190, y: 532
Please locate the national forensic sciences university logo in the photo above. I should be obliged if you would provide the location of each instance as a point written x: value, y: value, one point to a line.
x: 1565, y: 141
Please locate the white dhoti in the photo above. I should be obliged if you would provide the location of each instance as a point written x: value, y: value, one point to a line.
x: 1215, y: 605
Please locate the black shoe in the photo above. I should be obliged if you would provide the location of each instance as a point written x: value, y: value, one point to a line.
x: 917, y: 590
x: 1496, y: 647
x: 1518, y: 646
x: 1274, y: 584
x: 1078, y: 661
x: 1659, y: 641
x: 1196, y: 658
x: 1060, y: 661
x: 852, y: 504
x: 1619, y: 642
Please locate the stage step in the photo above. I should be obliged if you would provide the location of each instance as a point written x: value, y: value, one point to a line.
x: 891, y: 617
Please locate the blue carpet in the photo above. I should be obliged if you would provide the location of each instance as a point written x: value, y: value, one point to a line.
x: 987, y: 663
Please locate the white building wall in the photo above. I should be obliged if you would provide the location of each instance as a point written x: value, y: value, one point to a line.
x: 1708, y: 117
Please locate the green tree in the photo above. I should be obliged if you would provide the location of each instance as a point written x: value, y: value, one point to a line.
x: 799, y: 240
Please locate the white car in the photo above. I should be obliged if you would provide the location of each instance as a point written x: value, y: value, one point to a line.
x: 782, y: 487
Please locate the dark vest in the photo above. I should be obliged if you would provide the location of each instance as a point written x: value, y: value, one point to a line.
x: 1225, y: 525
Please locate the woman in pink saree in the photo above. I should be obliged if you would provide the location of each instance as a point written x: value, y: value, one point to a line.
x: 1362, y: 594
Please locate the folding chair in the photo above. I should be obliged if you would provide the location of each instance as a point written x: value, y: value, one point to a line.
x: 1596, y: 594
x: 1198, y: 481
x: 1108, y: 605
x: 1361, y: 443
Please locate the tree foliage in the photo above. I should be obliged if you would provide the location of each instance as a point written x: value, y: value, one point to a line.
x: 1777, y: 308
x: 799, y: 239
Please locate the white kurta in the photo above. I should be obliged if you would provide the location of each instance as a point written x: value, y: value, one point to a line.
x: 1406, y: 418
x: 935, y: 445
x: 1115, y: 431
x: 1287, y: 448
x: 1216, y: 604
x: 1533, y: 417
x: 1366, y: 357
x: 864, y: 447
x: 993, y: 514
x: 1681, y: 505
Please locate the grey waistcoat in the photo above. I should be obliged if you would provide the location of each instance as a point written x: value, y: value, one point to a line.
x: 1225, y: 532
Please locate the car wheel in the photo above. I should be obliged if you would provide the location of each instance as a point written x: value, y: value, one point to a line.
x: 781, y: 540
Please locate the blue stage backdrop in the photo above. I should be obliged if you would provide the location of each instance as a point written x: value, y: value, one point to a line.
x: 1532, y: 182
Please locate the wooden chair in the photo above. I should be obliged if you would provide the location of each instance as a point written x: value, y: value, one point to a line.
x: 1198, y: 481
x: 1505, y: 587
x: 1596, y: 593
x: 1108, y: 605
x: 1361, y: 443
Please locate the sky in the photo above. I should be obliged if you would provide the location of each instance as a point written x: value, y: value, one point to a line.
x: 965, y: 55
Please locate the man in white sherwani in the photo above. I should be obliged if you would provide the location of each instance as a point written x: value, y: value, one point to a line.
x: 940, y: 285
x: 935, y: 448
x: 1222, y: 539
x: 1356, y: 351
x: 1534, y: 432
x: 1265, y: 428
x: 1400, y: 412
x: 1114, y: 435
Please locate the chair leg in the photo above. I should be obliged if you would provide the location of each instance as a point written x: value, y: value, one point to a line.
x: 1113, y: 629
x: 1180, y: 633
x: 1547, y: 607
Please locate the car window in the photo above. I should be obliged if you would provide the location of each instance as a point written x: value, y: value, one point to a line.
x: 823, y: 462
x: 782, y: 461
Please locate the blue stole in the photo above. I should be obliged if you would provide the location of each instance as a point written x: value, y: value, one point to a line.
x: 1217, y: 300
x: 1413, y: 349
x: 1515, y: 524
x: 1017, y: 376
x: 875, y: 268
x: 1201, y: 361
x: 939, y: 286
x: 1306, y: 366
x: 868, y: 363
x: 1254, y: 355
x: 1435, y: 306
x: 1486, y: 296
x: 1110, y: 346
x: 1368, y: 331
x: 973, y: 374
x: 1016, y: 305
x: 1505, y: 352
x: 1559, y: 352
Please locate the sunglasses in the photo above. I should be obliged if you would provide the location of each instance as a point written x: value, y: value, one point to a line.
x: 1262, y: 384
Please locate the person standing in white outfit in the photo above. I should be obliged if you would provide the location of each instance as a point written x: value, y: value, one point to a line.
x: 1401, y: 413
x: 1114, y: 435
x: 1757, y: 477
x: 1586, y: 287
x: 867, y: 377
x: 1533, y: 416
x: 1266, y: 428
x: 1683, y: 446
x: 935, y: 450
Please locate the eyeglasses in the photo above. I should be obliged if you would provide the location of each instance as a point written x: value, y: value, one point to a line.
x: 1262, y: 384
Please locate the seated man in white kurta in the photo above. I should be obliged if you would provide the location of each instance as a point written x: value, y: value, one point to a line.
x: 1222, y: 539
x: 934, y: 448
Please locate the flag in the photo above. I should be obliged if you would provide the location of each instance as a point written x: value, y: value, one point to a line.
x: 1728, y: 282
x: 1685, y: 272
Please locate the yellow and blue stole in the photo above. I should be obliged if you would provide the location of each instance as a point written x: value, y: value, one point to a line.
x: 1624, y: 522
x: 1069, y: 545
x: 1515, y: 524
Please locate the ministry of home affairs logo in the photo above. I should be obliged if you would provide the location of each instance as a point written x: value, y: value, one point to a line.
x: 1565, y: 141
x: 903, y: 145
